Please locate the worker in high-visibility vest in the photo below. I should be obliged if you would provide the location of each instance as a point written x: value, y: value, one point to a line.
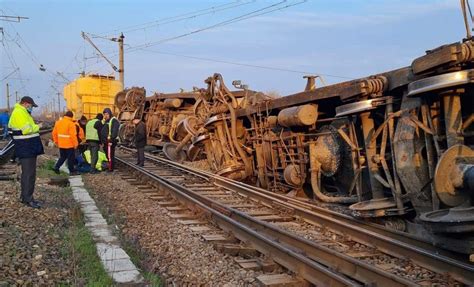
x: 65, y: 137
x: 93, y: 130
x: 100, y: 161
x: 109, y: 136
x: 28, y: 146
x: 81, y: 134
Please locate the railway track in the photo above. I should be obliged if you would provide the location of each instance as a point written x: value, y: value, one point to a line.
x: 321, y: 246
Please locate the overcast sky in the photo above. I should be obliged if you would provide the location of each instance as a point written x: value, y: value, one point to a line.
x: 338, y: 39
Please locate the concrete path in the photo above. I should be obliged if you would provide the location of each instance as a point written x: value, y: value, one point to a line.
x: 115, y: 260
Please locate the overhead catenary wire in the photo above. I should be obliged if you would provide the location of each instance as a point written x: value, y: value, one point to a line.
x: 249, y: 15
x: 14, y: 65
x: 247, y: 65
x: 177, y: 18
x: 262, y: 11
x: 10, y: 74
x: 23, y: 45
x: 274, y: 7
x: 242, y: 17
x: 16, y: 38
x: 245, y: 16
x: 27, y: 48
x: 24, y: 48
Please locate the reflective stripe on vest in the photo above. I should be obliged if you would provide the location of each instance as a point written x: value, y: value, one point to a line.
x: 91, y: 132
x: 64, y: 136
x: 22, y: 137
x: 110, y: 126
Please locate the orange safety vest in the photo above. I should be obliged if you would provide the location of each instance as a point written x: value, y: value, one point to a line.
x: 65, y: 134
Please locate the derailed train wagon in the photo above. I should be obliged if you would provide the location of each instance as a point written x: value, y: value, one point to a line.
x: 396, y: 147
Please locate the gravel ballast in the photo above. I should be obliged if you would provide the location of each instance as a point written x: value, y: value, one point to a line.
x: 32, y: 240
x: 171, y: 249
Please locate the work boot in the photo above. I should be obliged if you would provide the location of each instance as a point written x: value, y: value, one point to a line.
x: 32, y: 204
x: 39, y: 203
x: 94, y: 171
x: 56, y: 170
x: 74, y: 173
x: 33, y: 200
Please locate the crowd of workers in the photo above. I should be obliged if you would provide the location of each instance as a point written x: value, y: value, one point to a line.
x: 79, y: 144
x: 74, y: 138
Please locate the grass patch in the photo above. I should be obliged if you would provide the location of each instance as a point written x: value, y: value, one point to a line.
x: 80, y: 246
x: 47, y: 169
x: 129, y: 246
x: 151, y: 278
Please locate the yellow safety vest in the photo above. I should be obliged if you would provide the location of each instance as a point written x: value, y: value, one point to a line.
x: 22, y: 123
x: 100, y: 159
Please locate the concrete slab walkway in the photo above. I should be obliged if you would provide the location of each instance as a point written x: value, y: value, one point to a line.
x: 115, y: 260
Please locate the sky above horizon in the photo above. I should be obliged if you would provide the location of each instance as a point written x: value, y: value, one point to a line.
x: 338, y: 39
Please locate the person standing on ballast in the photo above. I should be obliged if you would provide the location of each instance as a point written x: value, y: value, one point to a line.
x: 65, y: 137
x: 140, y: 141
x: 109, y: 136
x: 93, y: 131
x: 28, y: 146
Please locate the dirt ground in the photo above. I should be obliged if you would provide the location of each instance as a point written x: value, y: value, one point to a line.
x: 32, y: 240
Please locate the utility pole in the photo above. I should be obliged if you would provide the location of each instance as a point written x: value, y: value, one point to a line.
x: 59, y: 103
x: 8, y: 98
x: 16, y: 97
x: 120, y: 41
x: 54, y: 112
x: 121, y: 62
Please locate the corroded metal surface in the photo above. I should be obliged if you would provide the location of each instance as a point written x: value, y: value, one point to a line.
x: 378, y: 139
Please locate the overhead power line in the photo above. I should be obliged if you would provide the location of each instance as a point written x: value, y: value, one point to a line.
x: 247, y: 65
x: 262, y: 11
x: 9, y: 18
x: 10, y: 74
x: 172, y: 19
x: 258, y: 12
x: 21, y: 43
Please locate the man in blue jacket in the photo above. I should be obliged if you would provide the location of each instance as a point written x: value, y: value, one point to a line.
x: 28, y: 146
x: 4, y: 123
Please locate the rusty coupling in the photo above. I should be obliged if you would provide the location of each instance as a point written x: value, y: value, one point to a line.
x: 467, y: 52
x: 374, y: 86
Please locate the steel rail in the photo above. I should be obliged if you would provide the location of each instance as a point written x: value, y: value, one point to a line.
x: 395, y: 243
x: 311, y: 251
x: 359, y: 270
x: 274, y: 198
x: 309, y: 270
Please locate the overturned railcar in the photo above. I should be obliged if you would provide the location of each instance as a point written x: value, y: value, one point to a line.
x: 396, y: 147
